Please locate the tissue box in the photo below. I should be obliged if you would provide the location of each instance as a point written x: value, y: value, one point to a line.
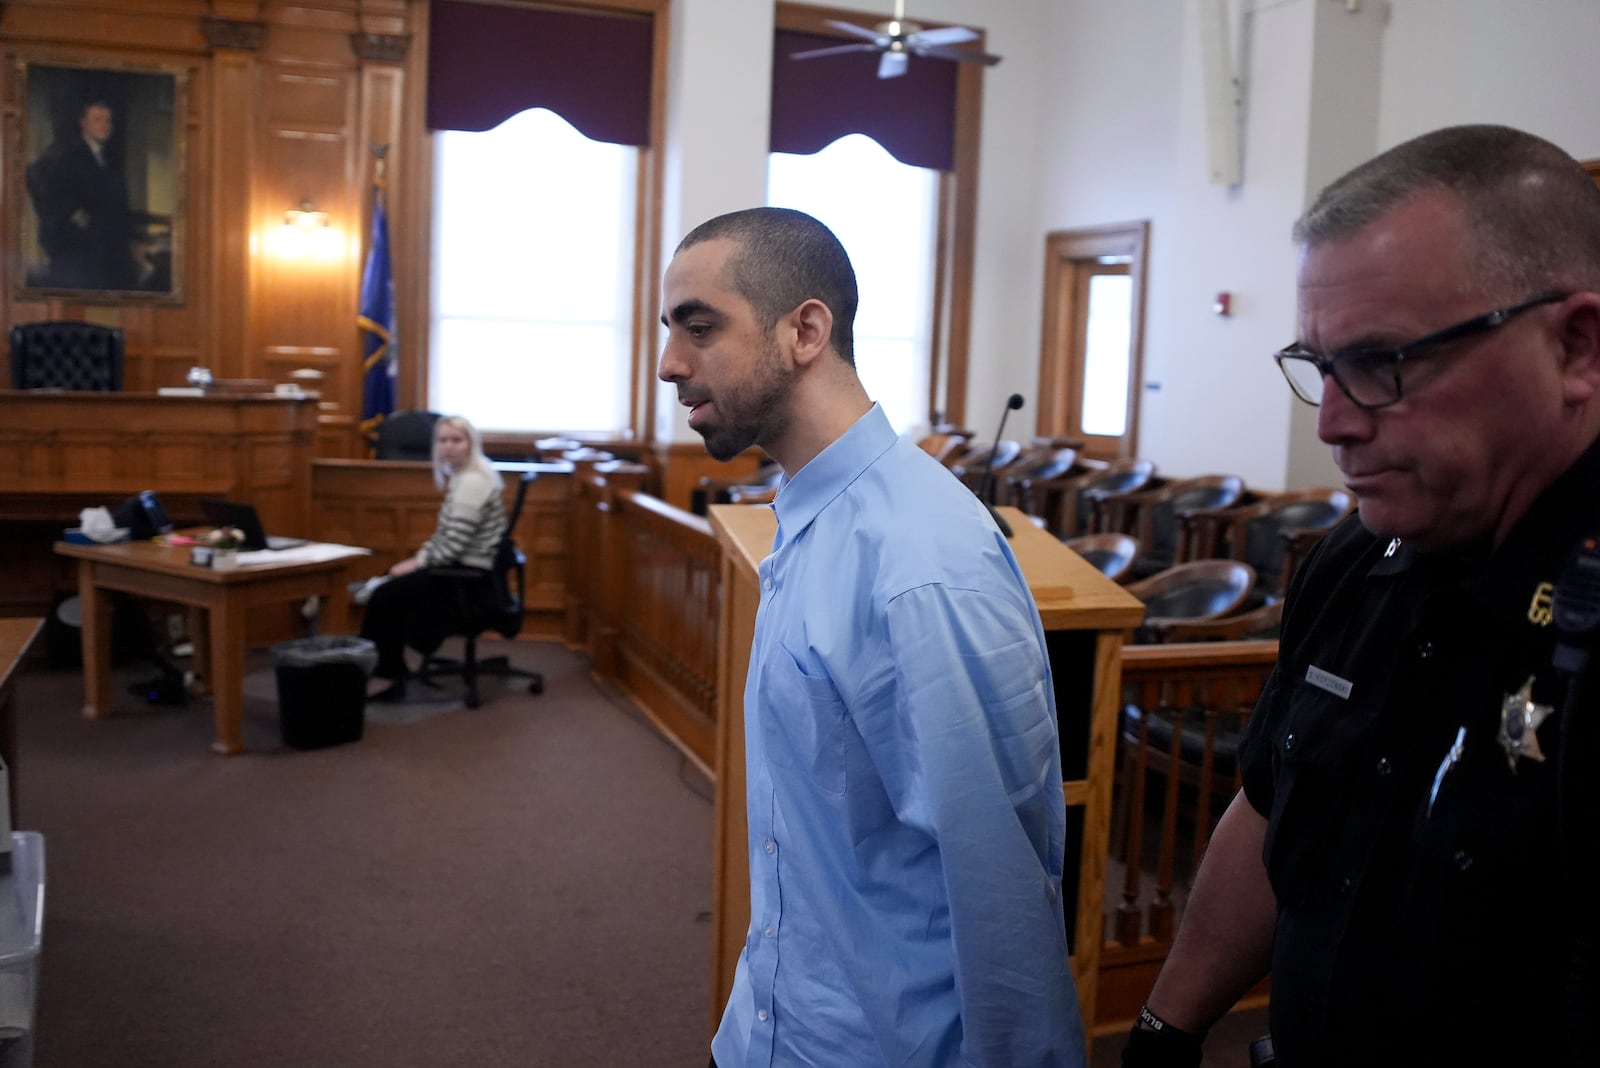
x: 76, y: 536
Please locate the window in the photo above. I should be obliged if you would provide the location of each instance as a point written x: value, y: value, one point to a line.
x: 1107, y: 335
x: 885, y: 214
x: 533, y: 251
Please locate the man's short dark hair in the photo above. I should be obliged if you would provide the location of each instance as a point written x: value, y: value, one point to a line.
x: 784, y: 259
x: 1533, y: 211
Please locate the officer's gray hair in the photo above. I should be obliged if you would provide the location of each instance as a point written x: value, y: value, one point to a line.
x: 1533, y: 212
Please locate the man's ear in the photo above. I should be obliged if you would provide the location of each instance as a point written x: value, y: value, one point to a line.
x: 813, y: 331
x: 1580, y: 348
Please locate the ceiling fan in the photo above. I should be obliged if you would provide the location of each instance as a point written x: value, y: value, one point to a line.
x: 898, y: 40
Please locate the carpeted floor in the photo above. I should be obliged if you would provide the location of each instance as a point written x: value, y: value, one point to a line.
x: 525, y: 884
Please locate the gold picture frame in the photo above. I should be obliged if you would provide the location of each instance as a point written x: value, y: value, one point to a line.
x: 99, y: 196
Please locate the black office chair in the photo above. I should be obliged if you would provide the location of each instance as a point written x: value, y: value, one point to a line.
x: 65, y: 354
x: 474, y: 614
x: 406, y: 435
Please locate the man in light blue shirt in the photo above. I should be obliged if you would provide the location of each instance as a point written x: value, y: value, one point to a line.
x: 903, y: 769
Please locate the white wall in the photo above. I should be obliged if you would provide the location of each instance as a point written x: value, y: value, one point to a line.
x: 1525, y: 63
x: 719, y: 78
x: 1325, y: 88
x: 1222, y: 406
x: 1107, y: 140
x: 1096, y: 116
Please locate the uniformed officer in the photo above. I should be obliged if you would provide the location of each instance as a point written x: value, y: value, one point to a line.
x: 1400, y: 859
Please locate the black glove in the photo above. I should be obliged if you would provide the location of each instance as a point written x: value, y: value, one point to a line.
x: 1166, y: 1048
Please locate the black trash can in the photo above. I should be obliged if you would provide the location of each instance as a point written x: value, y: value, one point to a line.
x: 322, y: 688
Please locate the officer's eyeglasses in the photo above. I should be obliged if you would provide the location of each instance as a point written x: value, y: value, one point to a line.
x: 1371, y: 377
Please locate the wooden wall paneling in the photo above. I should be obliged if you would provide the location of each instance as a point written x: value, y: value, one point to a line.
x: 306, y: 292
x: 683, y: 464
x: 337, y: 438
x: 231, y: 160
x: 393, y: 507
x: 583, y: 535
x: 63, y: 452
x: 542, y: 534
x: 170, y: 339
x: 308, y: 283
x: 171, y: 25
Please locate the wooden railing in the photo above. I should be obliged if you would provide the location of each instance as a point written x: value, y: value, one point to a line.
x: 645, y: 596
x: 1184, y: 708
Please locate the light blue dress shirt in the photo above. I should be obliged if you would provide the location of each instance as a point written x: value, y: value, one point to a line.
x: 904, y: 783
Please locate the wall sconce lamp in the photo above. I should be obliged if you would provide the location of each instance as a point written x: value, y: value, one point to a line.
x: 306, y: 216
x: 306, y: 235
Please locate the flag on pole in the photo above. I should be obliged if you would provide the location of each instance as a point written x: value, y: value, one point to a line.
x: 376, y: 320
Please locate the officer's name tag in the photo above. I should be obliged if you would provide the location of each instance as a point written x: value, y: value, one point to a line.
x: 1327, y: 680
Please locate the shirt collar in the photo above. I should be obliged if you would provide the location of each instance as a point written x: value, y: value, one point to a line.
x: 802, y: 497
x: 1528, y: 561
x: 1537, y: 547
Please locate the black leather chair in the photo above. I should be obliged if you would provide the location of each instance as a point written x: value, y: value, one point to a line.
x: 406, y: 435
x: 755, y: 488
x: 986, y: 464
x: 65, y: 354
x: 1263, y: 534
x: 1040, y: 462
x: 1192, y: 592
x: 474, y: 615
x: 1068, y: 501
x: 1112, y: 554
x: 1155, y: 516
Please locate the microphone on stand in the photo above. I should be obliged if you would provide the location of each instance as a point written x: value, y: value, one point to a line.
x: 1013, y: 402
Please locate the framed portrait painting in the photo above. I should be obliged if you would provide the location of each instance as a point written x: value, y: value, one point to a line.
x: 99, y: 195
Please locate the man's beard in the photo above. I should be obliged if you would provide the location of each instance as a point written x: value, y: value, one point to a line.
x: 754, y: 410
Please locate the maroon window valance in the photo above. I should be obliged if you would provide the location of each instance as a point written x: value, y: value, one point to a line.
x: 817, y: 101
x: 488, y: 62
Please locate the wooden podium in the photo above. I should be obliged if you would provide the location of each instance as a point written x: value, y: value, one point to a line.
x: 1084, y: 616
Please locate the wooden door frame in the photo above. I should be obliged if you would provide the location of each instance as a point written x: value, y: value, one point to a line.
x: 1063, y: 249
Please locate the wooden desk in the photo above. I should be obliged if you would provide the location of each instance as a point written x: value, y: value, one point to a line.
x: 148, y: 569
x: 16, y: 635
x: 1084, y: 614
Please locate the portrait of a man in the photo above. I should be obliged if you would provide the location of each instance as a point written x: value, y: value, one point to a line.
x: 102, y: 182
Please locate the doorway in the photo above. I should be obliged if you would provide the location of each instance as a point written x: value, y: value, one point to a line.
x: 1091, y: 363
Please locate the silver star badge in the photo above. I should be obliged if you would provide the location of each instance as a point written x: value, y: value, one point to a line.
x: 1519, y: 719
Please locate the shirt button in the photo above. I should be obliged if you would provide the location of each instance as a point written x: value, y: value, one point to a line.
x: 1463, y: 860
x: 770, y: 846
x: 1288, y: 741
x: 1344, y: 885
x: 762, y: 1015
x: 1384, y: 767
x: 1424, y: 650
x: 769, y: 931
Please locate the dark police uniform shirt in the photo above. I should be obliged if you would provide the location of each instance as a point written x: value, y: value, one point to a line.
x: 1408, y: 934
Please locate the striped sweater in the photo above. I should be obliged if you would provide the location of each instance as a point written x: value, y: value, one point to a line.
x: 471, y: 522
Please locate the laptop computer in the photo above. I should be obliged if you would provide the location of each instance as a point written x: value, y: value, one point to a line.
x: 220, y: 513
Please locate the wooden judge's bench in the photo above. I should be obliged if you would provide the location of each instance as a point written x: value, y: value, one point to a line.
x: 62, y: 452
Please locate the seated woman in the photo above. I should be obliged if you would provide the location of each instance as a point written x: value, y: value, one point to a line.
x: 415, y: 606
